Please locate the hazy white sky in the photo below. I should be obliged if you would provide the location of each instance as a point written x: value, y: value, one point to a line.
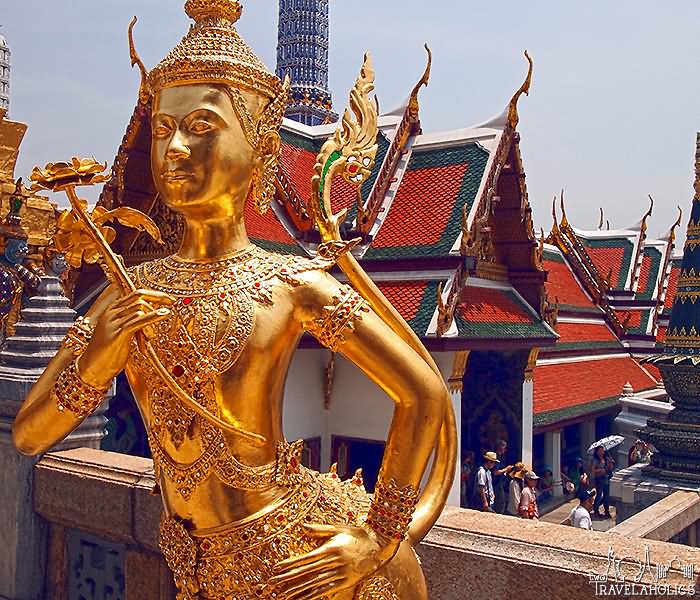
x: 612, y: 114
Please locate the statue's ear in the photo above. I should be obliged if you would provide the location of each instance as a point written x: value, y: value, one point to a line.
x: 269, y: 148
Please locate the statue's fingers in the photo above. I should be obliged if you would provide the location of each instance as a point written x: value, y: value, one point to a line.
x: 321, y: 531
x: 295, y: 576
x: 300, y: 561
x: 310, y: 588
x: 148, y: 295
x: 134, y: 325
x: 133, y: 306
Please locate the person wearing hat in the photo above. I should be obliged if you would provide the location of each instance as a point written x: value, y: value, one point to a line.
x: 484, y: 482
x: 528, y: 499
x: 500, y: 478
x: 580, y: 516
x: 515, y: 488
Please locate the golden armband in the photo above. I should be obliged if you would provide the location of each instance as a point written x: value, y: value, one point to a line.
x: 78, y: 336
x: 72, y: 394
x: 391, y: 508
x: 338, y: 318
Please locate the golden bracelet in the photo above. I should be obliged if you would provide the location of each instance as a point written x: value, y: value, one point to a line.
x: 74, y: 395
x: 391, y: 508
x: 78, y: 336
x: 338, y: 318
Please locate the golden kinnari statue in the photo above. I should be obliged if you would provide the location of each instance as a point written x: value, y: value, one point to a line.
x: 206, y: 337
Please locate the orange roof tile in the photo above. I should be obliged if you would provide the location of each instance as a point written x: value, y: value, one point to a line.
x: 672, y: 285
x: 654, y: 370
x: 565, y: 385
x: 661, y: 334
x: 584, y: 332
x: 266, y: 227
x: 607, y: 259
x: 405, y: 296
x: 298, y: 165
x: 562, y: 285
x: 635, y: 318
x: 422, y: 207
x: 486, y: 305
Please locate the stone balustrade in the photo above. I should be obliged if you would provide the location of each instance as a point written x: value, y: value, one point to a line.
x: 93, y: 498
x: 673, y: 518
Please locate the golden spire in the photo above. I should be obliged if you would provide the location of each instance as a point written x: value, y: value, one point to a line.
x: 513, y: 117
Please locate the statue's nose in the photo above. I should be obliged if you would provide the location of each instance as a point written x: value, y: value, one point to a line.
x: 177, y: 149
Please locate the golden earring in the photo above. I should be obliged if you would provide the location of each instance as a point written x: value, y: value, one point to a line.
x: 264, y: 187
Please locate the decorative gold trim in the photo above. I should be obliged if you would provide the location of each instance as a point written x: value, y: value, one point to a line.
x: 455, y: 382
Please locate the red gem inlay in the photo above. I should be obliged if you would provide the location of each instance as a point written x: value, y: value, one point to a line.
x: 187, y: 300
x: 352, y: 168
x: 178, y: 370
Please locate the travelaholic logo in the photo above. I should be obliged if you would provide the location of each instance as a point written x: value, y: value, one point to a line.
x: 651, y: 579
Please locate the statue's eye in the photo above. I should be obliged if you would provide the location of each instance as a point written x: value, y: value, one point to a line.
x: 161, y: 131
x: 200, y: 127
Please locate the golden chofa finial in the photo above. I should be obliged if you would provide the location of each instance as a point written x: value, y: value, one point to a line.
x: 555, y: 222
x: 647, y: 214
x: 413, y: 105
x: 144, y: 89
x: 601, y: 221
x: 564, y: 220
x: 672, y: 232
x: 513, y: 117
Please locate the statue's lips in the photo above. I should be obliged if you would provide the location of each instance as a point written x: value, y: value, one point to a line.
x: 174, y: 176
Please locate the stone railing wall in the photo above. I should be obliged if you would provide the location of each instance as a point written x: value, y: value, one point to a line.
x: 99, y: 506
x: 103, y: 529
x: 674, y: 518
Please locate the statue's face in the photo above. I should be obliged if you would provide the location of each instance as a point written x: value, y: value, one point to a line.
x: 16, y: 250
x: 58, y: 264
x: 200, y: 156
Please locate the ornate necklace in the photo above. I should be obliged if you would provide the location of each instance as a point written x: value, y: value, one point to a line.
x: 212, y: 319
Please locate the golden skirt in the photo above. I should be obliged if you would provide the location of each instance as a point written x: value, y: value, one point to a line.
x: 235, y: 561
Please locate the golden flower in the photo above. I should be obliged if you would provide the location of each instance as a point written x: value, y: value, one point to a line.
x: 80, y: 171
x: 72, y: 238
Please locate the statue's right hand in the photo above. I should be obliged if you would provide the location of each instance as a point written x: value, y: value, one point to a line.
x: 107, y: 352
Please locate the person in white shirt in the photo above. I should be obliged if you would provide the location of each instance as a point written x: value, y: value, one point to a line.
x: 581, y: 515
x: 515, y: 488
x: 484, y: 482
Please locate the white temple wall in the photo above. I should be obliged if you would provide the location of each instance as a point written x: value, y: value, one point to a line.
x: 358, y: 407
x: 304, y: 416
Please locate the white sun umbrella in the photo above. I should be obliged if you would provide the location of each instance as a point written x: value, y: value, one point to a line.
x: 608, y: 443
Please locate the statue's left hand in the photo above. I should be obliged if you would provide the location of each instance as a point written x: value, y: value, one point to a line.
x: 347, y: 557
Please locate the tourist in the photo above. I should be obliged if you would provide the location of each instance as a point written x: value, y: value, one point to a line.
x: 639, y: 453
x: 602, y: 467
x: 515, y: 488
x: 528, y: 499
x: 580, y: 516
x: 500, y: 481
x: 467, y: 482
x: 484, y: 483
x: 579, y: 477
x: 545, y: 484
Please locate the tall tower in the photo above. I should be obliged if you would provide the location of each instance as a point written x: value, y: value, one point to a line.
x: 4, y: 73
x: 302, y: 53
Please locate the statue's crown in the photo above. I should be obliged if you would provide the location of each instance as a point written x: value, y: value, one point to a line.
x: 212, y: 51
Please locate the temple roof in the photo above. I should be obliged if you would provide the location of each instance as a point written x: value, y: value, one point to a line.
x: 579, y: 388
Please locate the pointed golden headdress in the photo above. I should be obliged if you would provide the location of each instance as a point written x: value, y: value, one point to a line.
x: 213, y: 52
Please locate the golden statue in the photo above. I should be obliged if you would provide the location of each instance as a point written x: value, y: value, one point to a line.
x: 206, y: 337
